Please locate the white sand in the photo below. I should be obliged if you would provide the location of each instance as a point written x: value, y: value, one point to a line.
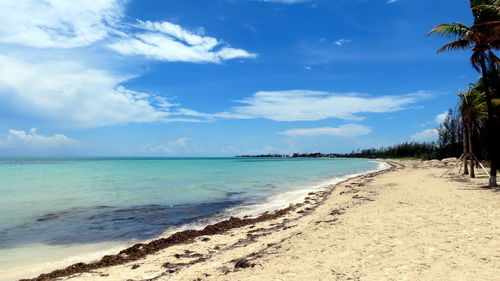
x: 406, y: 224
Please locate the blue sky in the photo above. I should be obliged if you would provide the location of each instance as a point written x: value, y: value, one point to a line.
x: 223, y: 77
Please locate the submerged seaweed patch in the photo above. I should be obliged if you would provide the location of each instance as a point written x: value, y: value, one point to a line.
x: 140, y: 250
x: 105, y: 223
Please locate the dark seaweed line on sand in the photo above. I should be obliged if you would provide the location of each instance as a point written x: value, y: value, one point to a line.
x: 141, y: 250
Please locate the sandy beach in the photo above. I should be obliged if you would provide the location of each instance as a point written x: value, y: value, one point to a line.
x: 406, y: 223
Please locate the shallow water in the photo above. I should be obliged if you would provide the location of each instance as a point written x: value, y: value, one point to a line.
x: 54, y: 211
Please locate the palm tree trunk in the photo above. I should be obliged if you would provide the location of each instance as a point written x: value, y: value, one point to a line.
x: 489, y: 123
x: 465, y: 142
x: 471, y: 151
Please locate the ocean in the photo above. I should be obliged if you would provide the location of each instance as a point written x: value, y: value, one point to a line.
x: 57, y: 211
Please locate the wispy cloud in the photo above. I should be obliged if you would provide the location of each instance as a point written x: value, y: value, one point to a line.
x: 170, y: 42
x: 47, y: 74
x: 441, y: 117
x: 59, y: 24
x: 179, y: 146
x: 33, y: 140
x: 268, y: 149
x: 169, y: 147
x: 438, y: 120
x: 348, y: 130
x: 179, y: 142
x: 70, y: 24
x: 303, y: 105
x: 341, y: 42
x: 72, y: 94
x: 428, y: 135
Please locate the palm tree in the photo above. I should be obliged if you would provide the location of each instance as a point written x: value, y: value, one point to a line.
x: 482, y: 38
x: 472, y: 111
x: 465, y: 132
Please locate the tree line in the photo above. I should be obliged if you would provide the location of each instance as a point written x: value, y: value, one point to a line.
x: 479, y: 105
x: 403, y: 150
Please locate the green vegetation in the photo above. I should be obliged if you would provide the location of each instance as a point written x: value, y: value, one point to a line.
x: 482, y: 38
x: 450, y: 136
x: 407, y: 150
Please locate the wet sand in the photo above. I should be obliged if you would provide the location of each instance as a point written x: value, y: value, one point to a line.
x: 405, y: 223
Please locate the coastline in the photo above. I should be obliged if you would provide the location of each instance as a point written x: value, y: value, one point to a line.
x: 215, y: 224
x: 404, y: 223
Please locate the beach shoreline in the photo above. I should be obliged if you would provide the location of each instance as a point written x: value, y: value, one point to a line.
x: 50, y: 238
x: 249, y: 214
x: 403, y: 223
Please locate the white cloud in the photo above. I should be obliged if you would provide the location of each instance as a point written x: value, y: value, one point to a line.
x: 268, y: 149
x: 31, y: 139
x: 441, y: 117
x: 45, y: 75
x: 438, y: 120
x: 75, y: 95
x: 392, y: 1
x: 57, y: 23
x: 349, y: 130
x: 428, y: 135
x: 170, y: 42
x: 341, y: 42
x: 177, y: 146
x: 179, y: 142
x: 69, y: 24
x: 303, y: 105
x: 72, y: 94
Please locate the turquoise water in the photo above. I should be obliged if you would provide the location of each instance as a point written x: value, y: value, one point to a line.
x: 50, y: 205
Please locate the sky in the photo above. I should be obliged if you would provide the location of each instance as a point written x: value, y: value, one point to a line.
x: 224, y: 77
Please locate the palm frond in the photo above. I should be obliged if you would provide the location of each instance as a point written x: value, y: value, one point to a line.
x: 487, y: 8
x: 493, y: 59
x: 455, y: 45
x: 474, y: 3
x: 479, y: 4
x: 472, y: 104
x: 475, y: 60
x: 454, y: 30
